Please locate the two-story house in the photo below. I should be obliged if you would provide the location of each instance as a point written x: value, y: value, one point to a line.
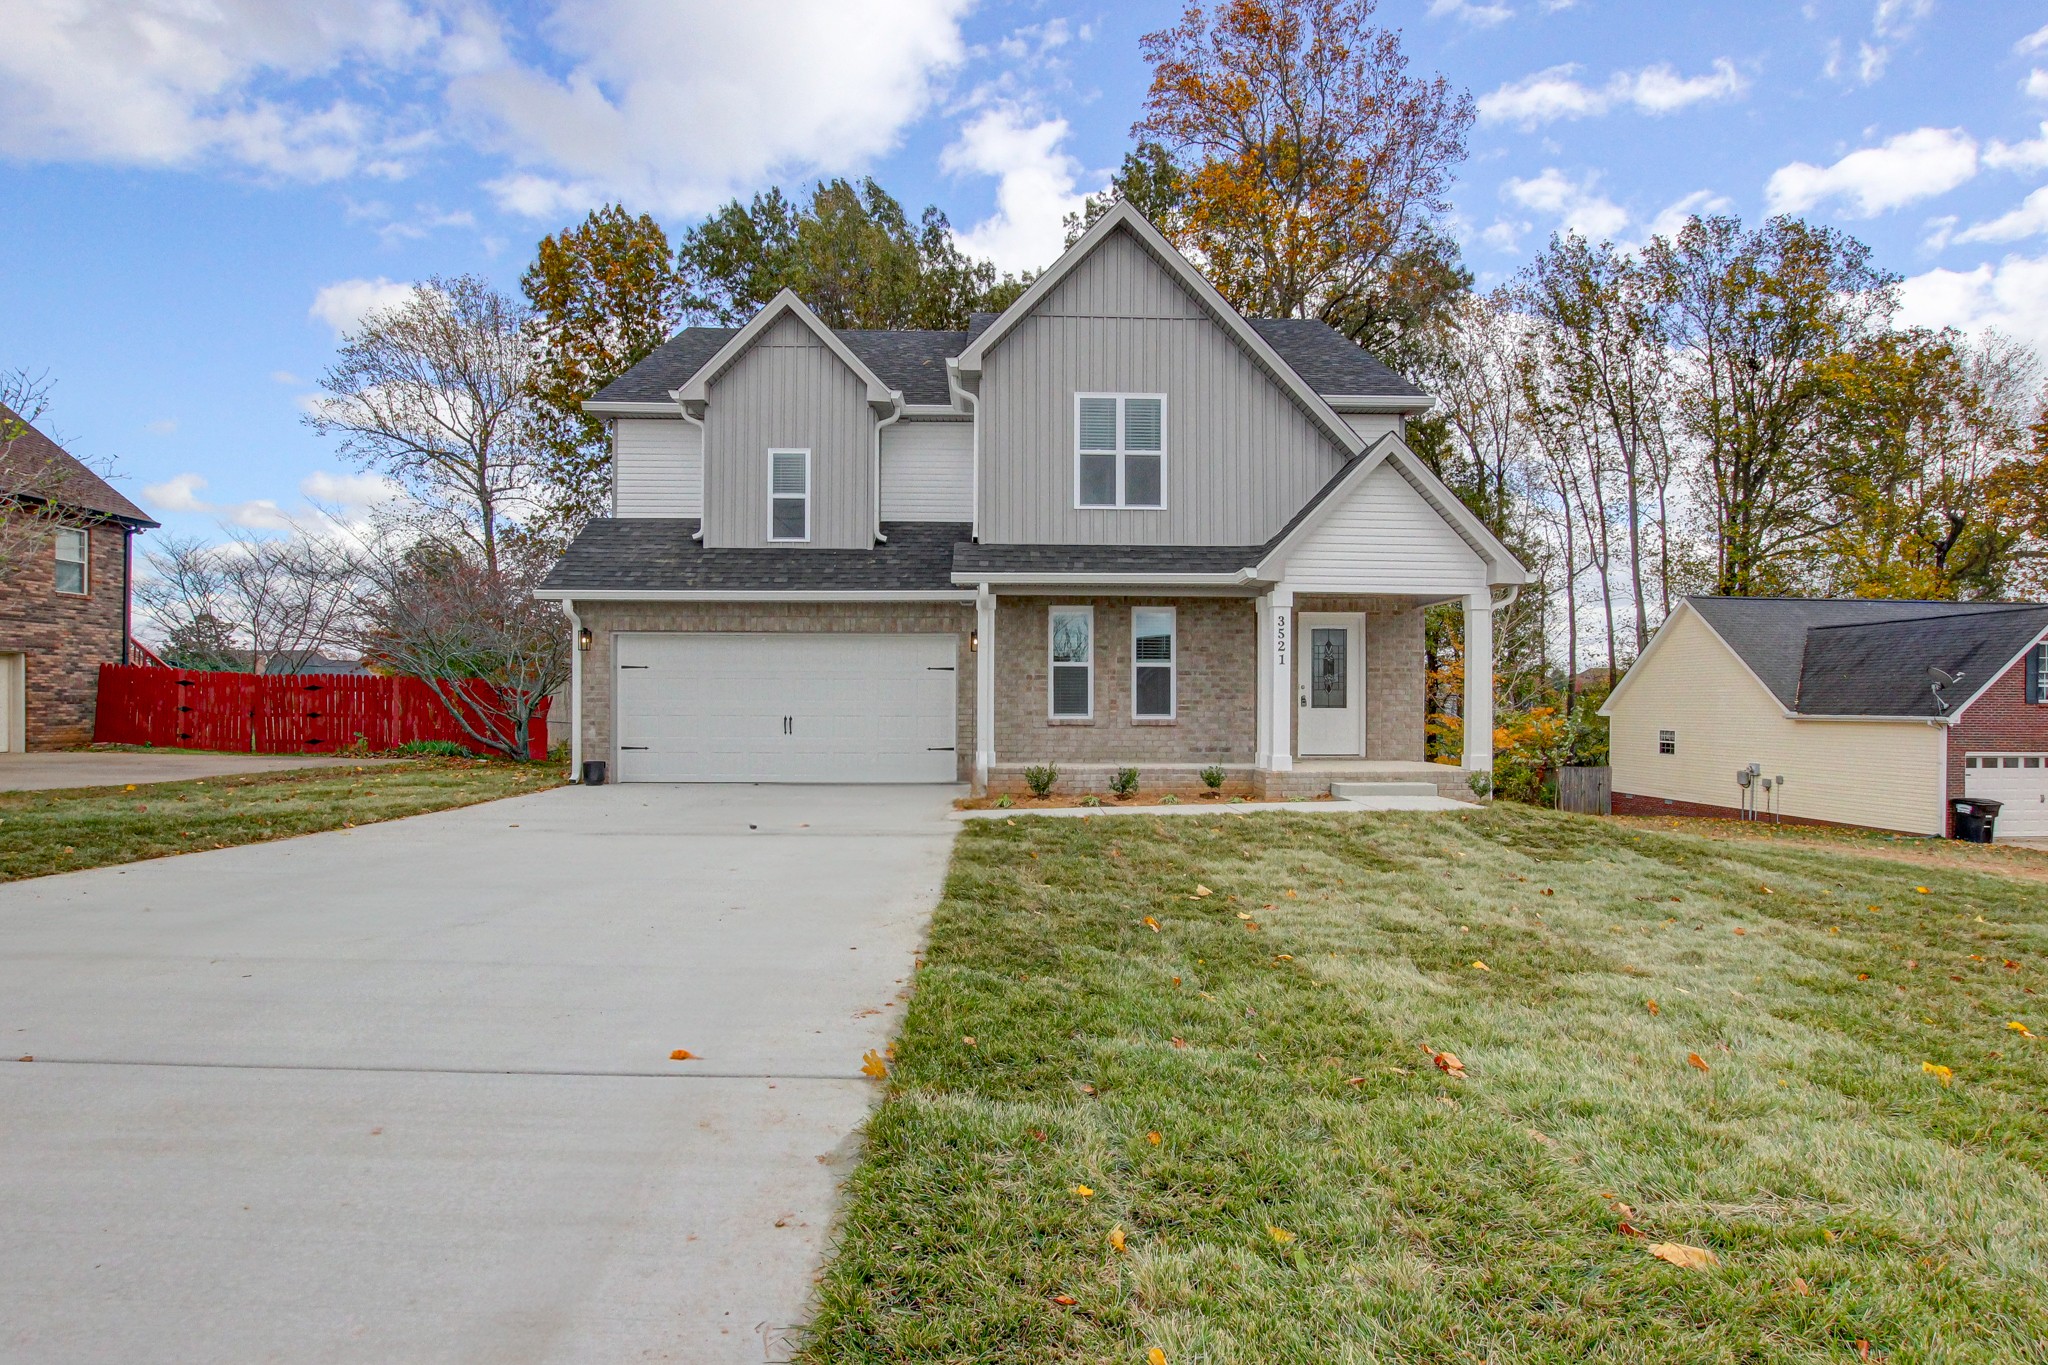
x: 1118, y: 524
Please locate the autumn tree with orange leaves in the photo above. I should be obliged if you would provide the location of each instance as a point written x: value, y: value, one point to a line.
x: 1309, y: 171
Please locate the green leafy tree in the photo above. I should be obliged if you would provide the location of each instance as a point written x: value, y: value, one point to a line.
x: 602, y: 295
x: 851, y: 252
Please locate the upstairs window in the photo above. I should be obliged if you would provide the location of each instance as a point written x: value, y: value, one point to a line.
x: 72, y: 544
x: 789, y: 495
x: 1667, y: 741
x: 1071, y: 642
x: 1152, y: 690
x: 1120, y: 456
x: 2037, y: 675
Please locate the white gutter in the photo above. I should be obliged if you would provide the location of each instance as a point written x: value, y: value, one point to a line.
x: 893, y: 417
x: 1134, y: 582
x: 762, y: 595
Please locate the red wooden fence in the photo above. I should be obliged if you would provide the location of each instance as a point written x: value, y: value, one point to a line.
x: 307, y: 713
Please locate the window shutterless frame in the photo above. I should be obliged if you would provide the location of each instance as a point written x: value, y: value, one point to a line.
x: 1667, y: 741
x: 1070, y: 663
x: 789, y: 495
x: 1155, y: 690
x: 1120, y: 451
x: 73, y: 550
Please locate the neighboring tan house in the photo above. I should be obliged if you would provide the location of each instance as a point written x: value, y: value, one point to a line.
x: 1844, y: 706
x: 64, y: 603
x: 1117, y: 524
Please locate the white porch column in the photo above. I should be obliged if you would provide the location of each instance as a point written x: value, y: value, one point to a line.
x: 984, y: 686
x: 1276, y: 680
x: 1478, y: 755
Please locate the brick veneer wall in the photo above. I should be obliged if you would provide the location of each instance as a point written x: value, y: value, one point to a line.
x: 64, y: 639
x: 1217, y: 706
x: 1394, y: 683
x: 603, y: 619
x: 2000, y: 721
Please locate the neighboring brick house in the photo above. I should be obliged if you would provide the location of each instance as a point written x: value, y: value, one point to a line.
x: 1860, y: 712
x: 64, y: 601
x: 1088, y: 531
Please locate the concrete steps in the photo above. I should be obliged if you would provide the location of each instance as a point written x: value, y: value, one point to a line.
x: 1359, y: 791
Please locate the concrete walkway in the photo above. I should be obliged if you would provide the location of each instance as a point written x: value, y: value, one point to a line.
x: 35, y: 772
x: 404, y: 1092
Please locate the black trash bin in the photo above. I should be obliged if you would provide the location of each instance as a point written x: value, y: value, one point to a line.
x: 1975, y: 819
x: 593, y: 772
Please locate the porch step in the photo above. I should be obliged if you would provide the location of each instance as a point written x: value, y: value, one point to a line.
x: 1356, y: 791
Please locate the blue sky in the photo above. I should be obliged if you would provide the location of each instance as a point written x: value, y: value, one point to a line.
x: 198, y: 196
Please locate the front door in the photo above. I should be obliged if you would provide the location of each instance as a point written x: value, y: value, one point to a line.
x: 1332, y: 712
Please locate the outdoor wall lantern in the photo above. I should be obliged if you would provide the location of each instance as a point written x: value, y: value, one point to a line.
x: 583, y: 639
x: 973, y: 641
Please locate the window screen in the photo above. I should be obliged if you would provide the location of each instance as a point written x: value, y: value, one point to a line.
x: 71, y: 551
x: 1152, y: 662
x: 1072, y: 645
x: 789, y: 495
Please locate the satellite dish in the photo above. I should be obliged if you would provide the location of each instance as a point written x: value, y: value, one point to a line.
x: 1942, y: 679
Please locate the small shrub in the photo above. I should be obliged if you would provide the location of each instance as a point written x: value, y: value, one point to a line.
x: 1091, y: 799
x: 1212, y: 777
x: 1169, y: 800
x: 1041, y: 778
x: 1005, y: 801
x: 431, y: 748
x: 1480, y: 783
x: 1125, y: 782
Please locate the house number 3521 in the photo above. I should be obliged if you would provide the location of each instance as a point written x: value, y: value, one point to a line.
x: 1280, y: 637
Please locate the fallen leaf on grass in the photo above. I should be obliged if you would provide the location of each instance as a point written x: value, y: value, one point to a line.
x: 1800, y: 1286
x: 1251, y: 926
x: 1180, y: 1042
x: 1154, y: 1137
x: 1201, y: 891
x: 1695, y: 1060
x: 1084, y: 1192
x: 967, y: 1038
x: 1479, y: 966
x: 1354, y: 1080
x: 1683, y: 1256
x: 683, y: 1054
x: 1152, y: 924
x: 1946, y: 1075
x: 1922, y: 890
x: 1246, y: 914
x: 1280, y: 1235
x: 2021, y: 1029
x: 1628, y: 1229
x: 1651, y: 1006
x: 1065, y: 1300
x: 1283, y: 957
x: 1446, y: 1062
x: 1155, y: 1356
x: 1116, y: 1237
x: 1290, y: 895
x: 1862, y: 1349
x: 871, y: 1064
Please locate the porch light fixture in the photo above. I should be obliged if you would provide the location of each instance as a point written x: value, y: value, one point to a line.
x: 973, y: 642
x: 583, y: 639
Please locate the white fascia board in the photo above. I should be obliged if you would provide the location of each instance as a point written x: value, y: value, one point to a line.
x: 1379, y: 402
x: 1124, y: 217
x: 937, y: 410
x: 693, y: 388
x: 1504, y: 570
x: 764, y: 595
x: 1995, y: 675
x: 1133, y: 583
x: 623, y: 409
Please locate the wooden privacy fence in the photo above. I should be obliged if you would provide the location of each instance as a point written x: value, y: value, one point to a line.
x: 1587, y: 791
x: 305, y: 713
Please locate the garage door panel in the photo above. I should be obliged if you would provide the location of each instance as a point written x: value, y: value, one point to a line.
x: 711, y: 707
x: 2019, y: 782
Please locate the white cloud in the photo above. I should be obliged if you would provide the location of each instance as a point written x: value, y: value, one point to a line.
x: 163, y: 83
x: 2037, y: 84
x: 1573, y: 203
x: 181, y: 493
x: 162, y: 426
x: 1035, y: 190
x: 1908, y: 167
x: 2030, y: 219
x: 1674, y: 215
x: 1480, y: 13
x: 705, y: 100
x: 1557, y: 93
x: 2011, y: 297
x: 1891, y: 22
x: 347, y: 492
x: 343, y: 304
x: 2031, y: 155
x: 2033, y: 42
x: 333, y: 500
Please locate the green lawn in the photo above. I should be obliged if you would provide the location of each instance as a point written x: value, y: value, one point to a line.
x: 62, y: 831
x: 1322, y: 1192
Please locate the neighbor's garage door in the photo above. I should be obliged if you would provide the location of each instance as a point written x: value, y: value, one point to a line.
x: 2018, y: 780
x: 786, y: 708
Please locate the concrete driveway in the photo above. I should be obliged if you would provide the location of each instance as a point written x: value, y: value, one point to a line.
x: 34, y: 772
x: 404, y: 1092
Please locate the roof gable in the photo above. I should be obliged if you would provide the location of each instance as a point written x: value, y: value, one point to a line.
x: 783, y: 305
x: 76, y: 486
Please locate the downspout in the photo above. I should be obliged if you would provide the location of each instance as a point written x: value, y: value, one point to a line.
x: 974, y: 468
x: 895, y: 415
x: 127, y: 589
x: 703, y: 467
x: 575, y: 690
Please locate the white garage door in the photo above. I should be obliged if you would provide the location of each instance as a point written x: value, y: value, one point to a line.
x: 786, y: 708
x: 2020, y: 781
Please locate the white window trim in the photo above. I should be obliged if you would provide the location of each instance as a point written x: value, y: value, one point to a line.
x: 2040, y: 697
x: 84, y: 560
x: 1663, y: 752
x: 1051, y: 612
x: 773, y: 495
x: 1120, y: 453
x: 1172, y: 664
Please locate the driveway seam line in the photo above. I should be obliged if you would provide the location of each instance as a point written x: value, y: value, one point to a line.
x: 694, y: 1075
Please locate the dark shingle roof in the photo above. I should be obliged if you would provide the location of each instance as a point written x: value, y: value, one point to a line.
x: 915, y: 362
x: 970, y: 558
x: 1331, y: 363
x: 76, y: 486
x: 657, y: 553
x: 1857, y: 657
